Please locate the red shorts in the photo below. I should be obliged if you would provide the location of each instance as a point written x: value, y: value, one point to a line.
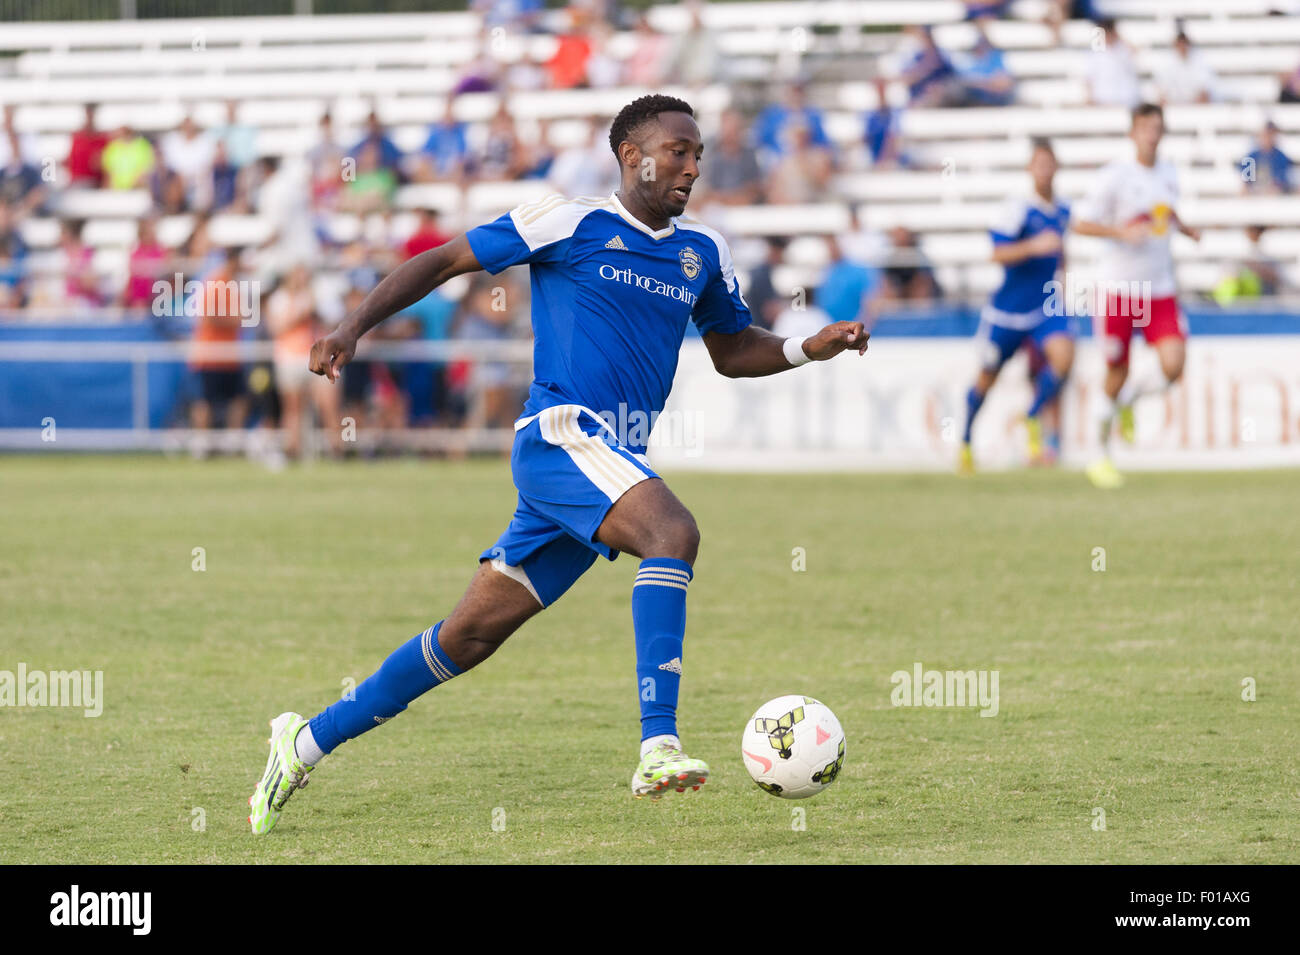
x: 1160, y: 319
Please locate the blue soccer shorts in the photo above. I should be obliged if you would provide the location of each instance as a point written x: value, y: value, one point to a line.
x: 569, y: 468
x: 997, y: 342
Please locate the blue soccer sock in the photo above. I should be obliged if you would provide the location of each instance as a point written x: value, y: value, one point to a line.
x: 1046, y: 387
x: 414, y: 668
x: 659, y: 622
x: 974, y: 401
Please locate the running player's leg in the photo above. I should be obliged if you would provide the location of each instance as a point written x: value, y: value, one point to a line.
x: 573, y: 470
x: 1058, y: 352
x: 1165, y: 330
x: 493, y: 607
x: 1116, y: 332
x: 1172, y: 351
x: 649, y: 522
x: 994, y: 345
x: 1053, y: 341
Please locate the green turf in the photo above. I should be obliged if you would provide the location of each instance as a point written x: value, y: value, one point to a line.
x: 1120, y: 690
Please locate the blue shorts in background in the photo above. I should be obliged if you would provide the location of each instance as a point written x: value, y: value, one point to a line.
x: 997, y: 343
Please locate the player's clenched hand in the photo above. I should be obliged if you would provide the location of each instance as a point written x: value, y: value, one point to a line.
x: 331, y: 353
x: 1047, y: 242
x: 833, y: 339
x: 1135, y: 232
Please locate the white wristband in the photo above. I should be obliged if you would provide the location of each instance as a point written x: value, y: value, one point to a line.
x: 794, y: 352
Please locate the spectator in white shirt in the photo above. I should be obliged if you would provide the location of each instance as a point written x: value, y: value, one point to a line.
x: 190, y: 155
x: 1111, y: 74
x: 1187, y: 78
x: 584, y: 170
x: 28, y: 149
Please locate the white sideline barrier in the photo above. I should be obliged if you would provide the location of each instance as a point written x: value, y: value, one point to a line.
x: 901, y: 407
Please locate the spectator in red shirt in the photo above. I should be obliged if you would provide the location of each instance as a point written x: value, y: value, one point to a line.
x: 568, y: 65
x: 84, y: 152
x: 426, y: 236
x: 81, y: 284
x: 147, y: 265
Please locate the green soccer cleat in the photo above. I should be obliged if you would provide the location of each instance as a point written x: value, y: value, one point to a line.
x: 285, y: 772
x: 1034, y: 440
x: 1103, y: 474
x: 666, y: 768
x: 1127, y: 426
x: 966, y: 461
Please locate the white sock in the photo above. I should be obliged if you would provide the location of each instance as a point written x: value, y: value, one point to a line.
x: 1152, y: 384
x: 304, y: 745
x: 653, y: 741
x: 1104, y: 420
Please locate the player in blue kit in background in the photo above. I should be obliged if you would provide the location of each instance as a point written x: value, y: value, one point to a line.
x: 614, y: 282
x: 1028, y: 243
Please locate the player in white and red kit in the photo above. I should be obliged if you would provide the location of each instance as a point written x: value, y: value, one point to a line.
x: 1132, y: 206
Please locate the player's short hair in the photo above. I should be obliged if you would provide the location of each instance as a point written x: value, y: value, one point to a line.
x: 640, y: 111
x: 1147, y: 109
x: 1041, y: 142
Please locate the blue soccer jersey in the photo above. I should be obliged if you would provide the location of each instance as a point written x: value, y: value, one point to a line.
x: 611, y: 298
x: 1026, y: 285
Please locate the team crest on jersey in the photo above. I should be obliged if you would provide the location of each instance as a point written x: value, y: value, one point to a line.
x: 691, y: 262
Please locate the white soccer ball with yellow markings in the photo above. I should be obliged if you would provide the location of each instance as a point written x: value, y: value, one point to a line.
x: 793, y: 746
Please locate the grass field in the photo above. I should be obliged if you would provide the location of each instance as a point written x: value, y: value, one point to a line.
x: 1119, y: 690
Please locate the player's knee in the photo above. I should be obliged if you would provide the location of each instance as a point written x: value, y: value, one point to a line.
x: 471, y: 640
x: 681, y: 538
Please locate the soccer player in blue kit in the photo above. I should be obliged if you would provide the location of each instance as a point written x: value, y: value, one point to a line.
x: 614, y: 282
x: 1028, y: 242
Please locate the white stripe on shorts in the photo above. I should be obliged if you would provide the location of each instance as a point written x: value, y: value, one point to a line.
x: 604, y: 467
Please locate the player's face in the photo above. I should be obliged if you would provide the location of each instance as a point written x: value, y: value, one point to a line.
x: 1042, y: 169
x: 1147, y: 131
x: 674, y: 146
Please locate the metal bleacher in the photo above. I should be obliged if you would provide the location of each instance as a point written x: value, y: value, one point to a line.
x: 286, y: 72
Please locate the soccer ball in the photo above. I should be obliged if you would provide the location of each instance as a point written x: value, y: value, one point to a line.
x: 793, y: 747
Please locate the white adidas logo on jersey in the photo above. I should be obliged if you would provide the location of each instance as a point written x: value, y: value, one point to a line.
x: 616, y: 243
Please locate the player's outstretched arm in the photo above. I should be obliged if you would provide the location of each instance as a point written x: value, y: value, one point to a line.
x: 1133, y: 233
x: 754, y: 352
x: 402, y: 288
x: 1044, y: 243
x: 1191, y: 232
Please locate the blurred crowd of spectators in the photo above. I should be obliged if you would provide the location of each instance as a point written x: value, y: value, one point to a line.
x: 309, y: 276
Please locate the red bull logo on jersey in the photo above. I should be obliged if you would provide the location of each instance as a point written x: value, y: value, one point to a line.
x: 648, y: 283
x: 691, y: 263
x: 1160, y: 218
